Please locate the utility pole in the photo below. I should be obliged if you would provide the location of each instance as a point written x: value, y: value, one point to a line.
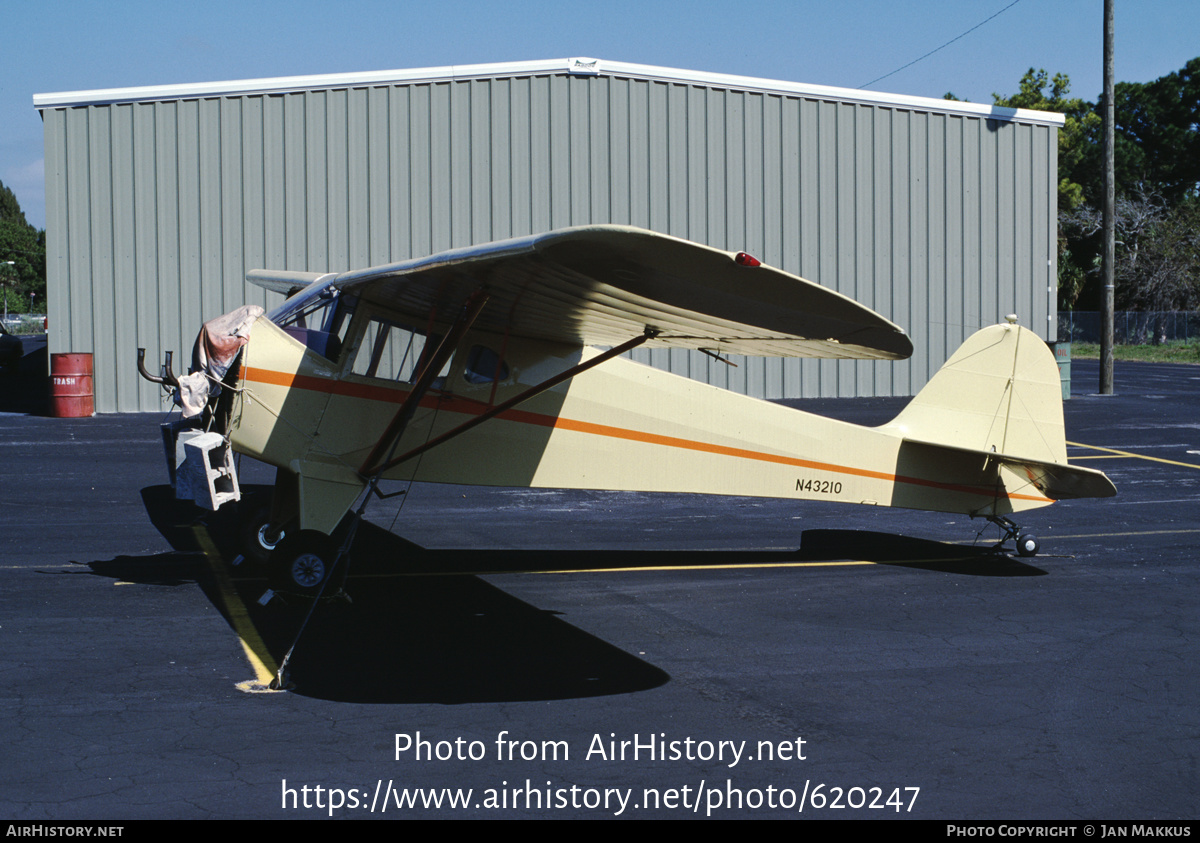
x: 1110, y: 220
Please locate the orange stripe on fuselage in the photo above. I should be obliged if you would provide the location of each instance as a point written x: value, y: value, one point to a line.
x: 475, y: 408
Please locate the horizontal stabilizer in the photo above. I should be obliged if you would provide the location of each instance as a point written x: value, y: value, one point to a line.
x: 1057, y: 481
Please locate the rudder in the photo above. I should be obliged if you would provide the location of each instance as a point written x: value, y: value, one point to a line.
x: 1000, y: 393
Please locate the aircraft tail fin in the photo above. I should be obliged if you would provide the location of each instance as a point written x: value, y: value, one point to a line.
x: 1000, y: 392
x: 1000, y: 396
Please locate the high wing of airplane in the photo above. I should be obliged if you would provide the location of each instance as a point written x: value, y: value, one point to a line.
x: 502, y: 365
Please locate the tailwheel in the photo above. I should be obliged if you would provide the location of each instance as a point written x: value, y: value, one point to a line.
x: 1027, y: 544
x: 305, y: 562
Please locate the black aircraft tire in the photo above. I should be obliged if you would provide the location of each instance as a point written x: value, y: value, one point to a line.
x: 302, y: 562
x: 1028, y: 545
x: 254, y: 535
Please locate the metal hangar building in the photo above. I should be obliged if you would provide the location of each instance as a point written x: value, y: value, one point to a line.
x: 940, y: 215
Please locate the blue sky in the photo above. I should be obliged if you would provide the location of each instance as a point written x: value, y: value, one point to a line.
x: 72, y: 45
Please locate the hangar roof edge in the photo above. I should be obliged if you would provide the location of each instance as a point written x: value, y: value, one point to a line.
x: 573, y: 66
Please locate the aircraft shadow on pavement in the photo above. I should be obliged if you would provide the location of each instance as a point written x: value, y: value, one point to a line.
x: 183, y: 565
x: 908, y: 552
x: 417, y: 628
x: 816, y: 546
x: 170, y: 569
x: 444, y: 639
x: 422, y: 626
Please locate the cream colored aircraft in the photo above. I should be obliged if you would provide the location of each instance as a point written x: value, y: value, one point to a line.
x: 484, y: 366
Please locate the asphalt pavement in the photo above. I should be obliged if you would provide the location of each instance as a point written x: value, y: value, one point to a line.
x: 542, y: 653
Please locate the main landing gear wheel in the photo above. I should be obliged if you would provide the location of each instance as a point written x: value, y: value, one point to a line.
x: 265, y: 539
x: 259, y: 540
x: 302, y: 562
x: 256, y: 538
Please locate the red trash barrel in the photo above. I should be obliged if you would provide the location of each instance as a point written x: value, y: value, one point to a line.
x: 71, y: 395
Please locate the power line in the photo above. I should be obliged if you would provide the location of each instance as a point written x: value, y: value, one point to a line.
x: 947, y: 44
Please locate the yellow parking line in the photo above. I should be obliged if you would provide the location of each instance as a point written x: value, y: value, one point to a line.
x: 751, y: 565
x: 598, y: 570
x: 256, y: 650
x: 1125, y: 534
x: 843, y: 563
x: 1128, y: 454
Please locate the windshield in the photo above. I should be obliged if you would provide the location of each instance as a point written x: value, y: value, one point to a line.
x: 319, y: 318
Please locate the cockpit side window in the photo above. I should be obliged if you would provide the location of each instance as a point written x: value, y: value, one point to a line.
x: 393, y: 351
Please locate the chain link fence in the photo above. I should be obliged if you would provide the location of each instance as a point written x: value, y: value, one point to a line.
x: 1130, y: 327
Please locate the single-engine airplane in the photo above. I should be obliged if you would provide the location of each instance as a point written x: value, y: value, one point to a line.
x: 501, y: 365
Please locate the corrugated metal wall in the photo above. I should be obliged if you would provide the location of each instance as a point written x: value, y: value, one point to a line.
x: 942, y: 222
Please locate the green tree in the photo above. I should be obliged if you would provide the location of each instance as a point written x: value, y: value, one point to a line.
x: 1039, y: 92
x: 1158, y: 133
x: 9, y: 206
x: 1160, y: 269
x: 24, y: 281
x: 1157, y: 130
x: 1157, y: 162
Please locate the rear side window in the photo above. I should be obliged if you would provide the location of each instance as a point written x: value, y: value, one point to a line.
x: 484, y: 366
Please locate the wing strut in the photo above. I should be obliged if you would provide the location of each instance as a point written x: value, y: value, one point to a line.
x: 470, y: 312
x: 615, y: 351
